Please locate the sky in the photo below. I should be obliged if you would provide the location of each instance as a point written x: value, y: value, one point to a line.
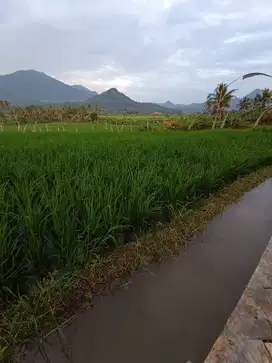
x: 152, y: 50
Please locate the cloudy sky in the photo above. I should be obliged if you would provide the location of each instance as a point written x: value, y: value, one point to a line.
x: 153, y: 50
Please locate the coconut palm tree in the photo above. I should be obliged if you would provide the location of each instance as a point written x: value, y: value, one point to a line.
x: 210, y: 106
x: 258, y: 101
x: 267, y: 98
x: 4, y: 104
x: 245, y: 104
x: 4, y: 109
x: 263, y: 102
x: 219, y: 101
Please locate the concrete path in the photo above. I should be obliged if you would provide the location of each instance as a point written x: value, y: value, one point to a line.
x: 247, y: 336
x: 176, y: 311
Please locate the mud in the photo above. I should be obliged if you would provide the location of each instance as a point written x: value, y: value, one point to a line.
x: 173, y: 312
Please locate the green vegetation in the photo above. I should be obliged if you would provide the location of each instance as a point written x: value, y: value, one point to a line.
x: 52, y: 119
x: 67, y: 197
x: 74, y: 192
x: 77, y: 184
x: 218, y: 114
x: 219, y: 100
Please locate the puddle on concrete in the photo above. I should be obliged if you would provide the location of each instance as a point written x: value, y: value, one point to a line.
x: 176, y: 312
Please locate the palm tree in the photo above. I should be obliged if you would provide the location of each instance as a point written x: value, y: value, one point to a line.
x: 219, y: 101
x: 210, y: 106
x: 266, y: 97
x: 245, y: 104
x: 4, y: 108
x: 262, y: 102
x: 258, y: 101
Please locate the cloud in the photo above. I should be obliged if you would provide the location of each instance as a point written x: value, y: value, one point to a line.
x: 153, y: 50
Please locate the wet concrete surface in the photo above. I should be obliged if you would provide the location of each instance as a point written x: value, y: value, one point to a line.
x: 247, y: 335
x: 175, y: 311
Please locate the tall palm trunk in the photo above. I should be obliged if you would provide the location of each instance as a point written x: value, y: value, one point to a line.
x: 258, y: 119
x: 214, y: 122
x: 224, y: 121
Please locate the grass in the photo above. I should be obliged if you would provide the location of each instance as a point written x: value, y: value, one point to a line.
x: 68, y: 198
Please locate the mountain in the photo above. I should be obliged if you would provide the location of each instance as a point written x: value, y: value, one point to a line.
x: 113, y: 101
x: 32, y: 87
x: 88, y: 93
x: 199, y: 107
x: 192, y: 108
x: 168, y: 104
x: 26, y: 87
x: 254, y: 93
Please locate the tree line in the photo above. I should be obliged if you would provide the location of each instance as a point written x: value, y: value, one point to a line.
x: 32, y: 113
x: 217, y: 105
x: 219, y: 101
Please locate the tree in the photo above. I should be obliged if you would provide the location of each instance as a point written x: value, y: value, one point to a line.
x: 210, y: 106
x: 218, y: 101
x: 262, y: 102
x: 266, y: 98
x: 245, y: 104
x: 4, y: 108
x: 4, y: 104
x: 257, y: 101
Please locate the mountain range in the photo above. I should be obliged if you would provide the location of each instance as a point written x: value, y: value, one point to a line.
x: 114, y: 101
x: 191, y: 108
x: 84, y: 91
x: 199, y: 107
x: 31, y: 87
x: 25, y: 87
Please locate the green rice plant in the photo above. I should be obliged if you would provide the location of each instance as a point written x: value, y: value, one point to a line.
x: 66, y: 198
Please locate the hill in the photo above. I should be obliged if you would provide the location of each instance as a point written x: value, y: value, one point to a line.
x: 32, y: 87
x: 199, y: 107
x: 168, y: 104
x: 26, y: 87
x: 113, y: 101
x: 190, y: 108
x: 88, y: 93
x: 254, y: 93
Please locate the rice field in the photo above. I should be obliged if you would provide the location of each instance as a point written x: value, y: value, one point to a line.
x: 68, y: 195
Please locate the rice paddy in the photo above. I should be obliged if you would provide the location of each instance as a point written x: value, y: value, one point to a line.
x: 72, y: 194
x: 68, y: 197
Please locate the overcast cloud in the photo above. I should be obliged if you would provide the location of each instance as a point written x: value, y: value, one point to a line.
x: 153, y: 50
